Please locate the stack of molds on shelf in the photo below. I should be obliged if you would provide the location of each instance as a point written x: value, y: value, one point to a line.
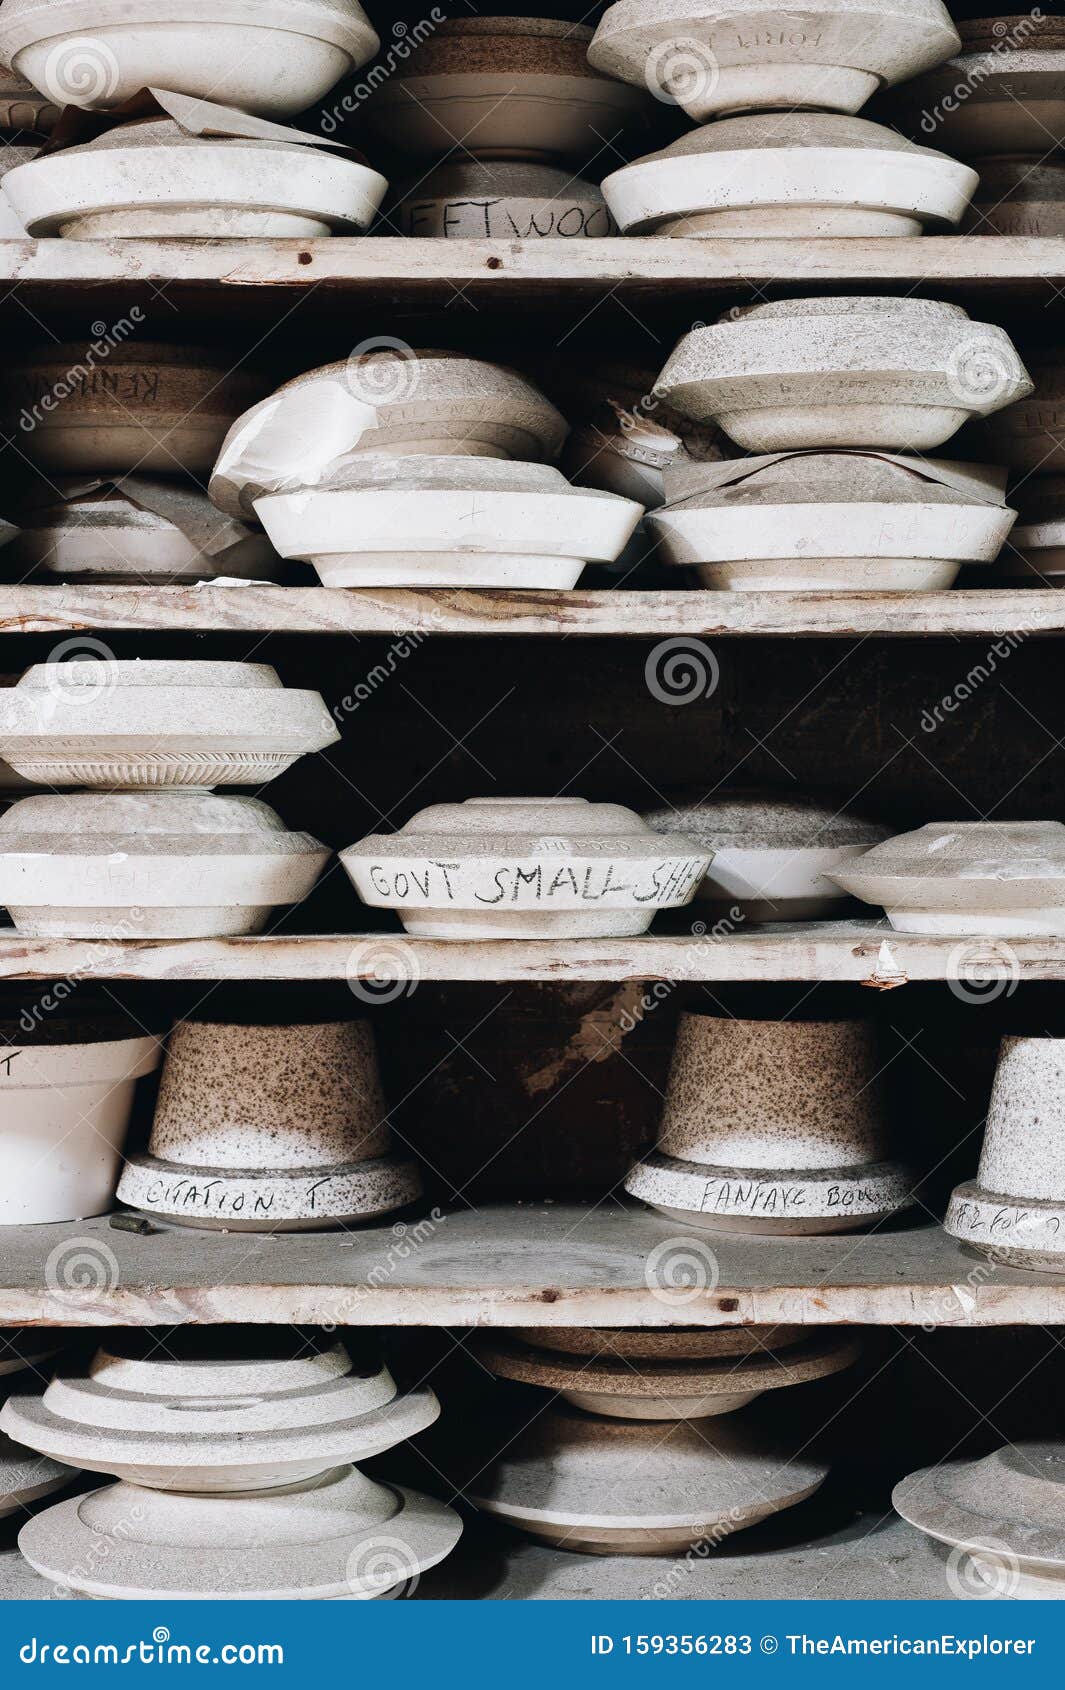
x: 150, y: 851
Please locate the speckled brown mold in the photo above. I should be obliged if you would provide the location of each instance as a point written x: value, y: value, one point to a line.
x: 776, y: 1127
x: 274, y: 57
x: 140, y: 530
x: 124, y: 726
x: 966, y: 877
x: 861, y: 371
x: 1030, y: 435
x: 832, y: 522
x: 629, y: 1487
x: 801, y: 174
x: 660, y: 1381
x: 142, y: 865
x: 139, y: 405
x: 151, y: 179
x: 514, y: 88
x: 772, y: 852
x: 1005, y: 1512
x: 718, y: 56
x: 1002, y: 93
x: 514, y: 868
x: 385, y: 521
x: 500, y: 199
x: 392, y: 400
x: 233, y: 1453
x: 236, y: 1145
x: 64, y: 1112
x: 1014, y: 1210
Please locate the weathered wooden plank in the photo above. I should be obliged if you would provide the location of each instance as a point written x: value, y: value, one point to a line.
x: 535, y: 1264
x: 319, y: 610
x: 432, y: 271
x: 867, y: 953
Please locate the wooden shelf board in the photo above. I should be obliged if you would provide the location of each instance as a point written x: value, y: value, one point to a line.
x: 505, y: 1265
x: 320, y: 610
x: 247, y: 275
x: 867, y: 953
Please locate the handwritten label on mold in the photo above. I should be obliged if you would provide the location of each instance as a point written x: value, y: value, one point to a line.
x: 129, y: 387
x: 978, y: 1220
x: 774, y: 1197
x: 223, y: 1197
x: 6, y: 1063
x: 529, y: 884
x: 470, y: 219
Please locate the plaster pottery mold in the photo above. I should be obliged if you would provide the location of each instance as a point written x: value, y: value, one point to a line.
x: 477, y: 199
x: 517, y: 868
x: 272, y: 58
x: 235, y: 1475
x: 712, y: 58
x: 683, y: 1375
x: 901, y: 373
x: 1006, y: 1511
x: 1031, y: 434
x: 833, y: 522
x: 1019, y: 196
x: 26, y: 1477
x: 770, y: 855
x: 161, y: 724
x: 1035, y: 556
x: 435, y: 404
x: 1014, y: 1210
x: 966, y: 877
x: 66, y: 1094
x: 790, y: 173
x: 22, y: 107
x: 236, y: 1145
x: 776, y: 1127
x: 144, y: 405
x: 1012, y: 72
x: 139, y: 865
x: 630, y: 1487
x: 12, y: 155
x: 448, y: 522
x: 152, y: 180
x: 141, y: 529
x: 512, y: 88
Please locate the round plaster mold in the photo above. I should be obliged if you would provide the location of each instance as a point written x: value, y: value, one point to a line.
x: 272, y: 57
x: 515, y: 868
x: 1030, y: 436
x: 1004, y: 1512
x: 504, y: 88
x: 966, y: 877
x: 448, y: 522
x: 391, y: 400
x: 479, y: 199
x: 123, y: 725
x: 234, y: 1145
x: 802, y: 174
x: 1014, y: 1210
x: 65, y: 1105
x: 712, y: 57
x: 770, y: 854
x: 630, y: 1487
x: 1035, y: 556
x: 775, y: 1128
x: 150, y: 180
x: 26, y: 1477
x: 144, y: 865
x: 1011, y: 73
x: 1019, y: 196
x: 861, y: 371
x: 669, y: 1383
x: 834, y: 522
x: 145, y: 405
x: 211, y: 1415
